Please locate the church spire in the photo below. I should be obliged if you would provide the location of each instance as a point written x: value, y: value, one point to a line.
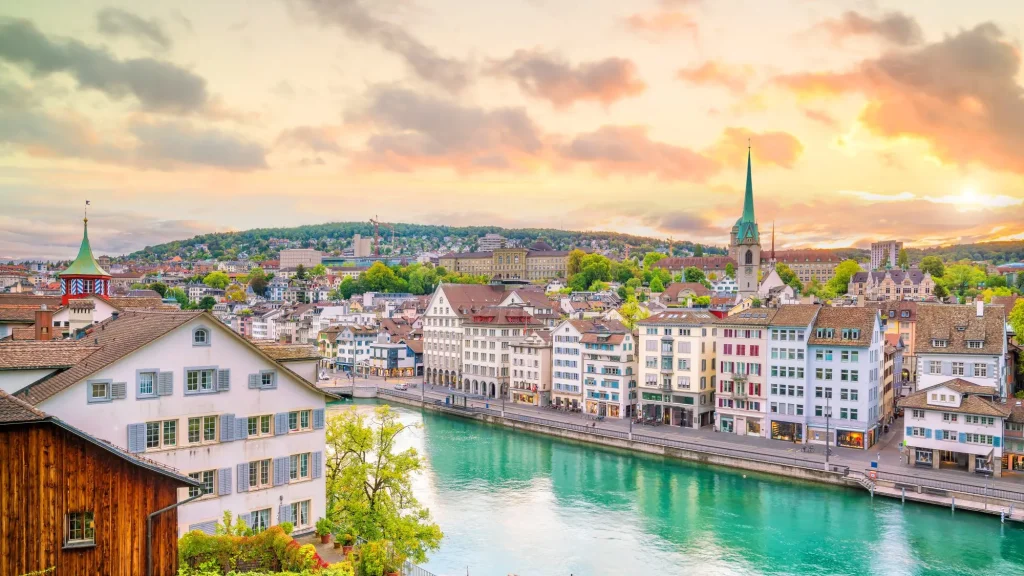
x: 748, y: 196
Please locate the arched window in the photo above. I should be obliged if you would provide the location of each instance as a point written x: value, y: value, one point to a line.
x: 201, y: 337
x: 750, y: 257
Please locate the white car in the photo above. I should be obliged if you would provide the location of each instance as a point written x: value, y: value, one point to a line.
x: 401, y: 387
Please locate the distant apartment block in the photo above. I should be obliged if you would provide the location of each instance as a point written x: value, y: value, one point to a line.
x: 885, y: 254
x: 307, y: 257
x: 491, y: 242
x: 361, y: 247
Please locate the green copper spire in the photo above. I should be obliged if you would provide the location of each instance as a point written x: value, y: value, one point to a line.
x: 748, y: 197
x: 747, y: 232
x: 85, y: 264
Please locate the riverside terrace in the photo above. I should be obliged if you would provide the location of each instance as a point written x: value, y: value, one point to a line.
x: 893, y: 476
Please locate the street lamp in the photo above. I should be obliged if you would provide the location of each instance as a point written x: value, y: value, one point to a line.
x: 504, y: 392
x: 828, y: 415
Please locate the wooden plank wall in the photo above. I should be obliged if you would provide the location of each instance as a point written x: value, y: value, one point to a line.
x: 45, y: 472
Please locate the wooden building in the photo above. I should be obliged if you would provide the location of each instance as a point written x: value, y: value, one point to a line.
x: 74, y: 504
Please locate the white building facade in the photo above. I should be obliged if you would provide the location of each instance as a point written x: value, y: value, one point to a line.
x: 567, y: 363
x: 676, y: 365
x: 966, y: 342
x: 789, y: 372
x: 609, y: 370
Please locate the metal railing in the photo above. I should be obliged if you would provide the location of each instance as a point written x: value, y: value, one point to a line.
x: 410, y: 569
x: 949, y: 486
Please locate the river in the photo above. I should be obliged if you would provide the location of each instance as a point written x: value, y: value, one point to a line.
x: 517, y: 503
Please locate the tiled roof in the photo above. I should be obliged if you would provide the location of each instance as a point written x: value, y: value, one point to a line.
x: 464, y: 298
x: 18, y: 314
x: 701, y: 262
x: 893, y: 339
x: 596, y: 338
x: 682, y: 317
x: 751, y: 317
x: 898, y: 307
x: 971, y: 401
x: 15, y: 410
x: 915, y: 275
x: 501, y: 315
x: 844, y: 317
x: 957, y: 325
x: 35, y: 354
x: 672, y: 290
x: 52, y: 302
x: 805, y: 256
x: 796, y: 314
x: 415, y: 345
x: 286, y: 352
x: 127, y: 302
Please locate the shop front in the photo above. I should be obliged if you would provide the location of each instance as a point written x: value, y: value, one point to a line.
x: 671, y: 410
x: 726, y: 424
x: 851, y: 439
x: 524, y: 397
x: 787, y: 431
x: 1013, y: 454
x: 924, y: 457
x: 753, y: 426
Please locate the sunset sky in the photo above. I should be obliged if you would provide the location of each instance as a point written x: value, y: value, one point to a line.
x: 868, y: 119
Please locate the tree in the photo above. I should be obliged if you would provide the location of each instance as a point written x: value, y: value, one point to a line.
x: 632, y: 312
x: 159, y: 287
x: 934, y: 266
x: 651, y: 257
x: 785, y: 273
x: 840, y: 283
x: 179, y: 296
x: 698, y: 250
x: 369, y: 483
x: 300, y: 272
x: 694, y: 274
x: 573, y: 266
x: 903, y: 259
x: 755, y: 302
x: 217, y: 279
x: 959, y: 278
x: 318, y: 271
x: 258, y: 281
x: 207, y: 303
x: 940, y: 291
x: 730, y: 270
x: 988, y: 293
x: 235, y: 293
x: 995, y: 281
x: 657, y: 286
x: 1020, y: 281
x: 1016, y: 319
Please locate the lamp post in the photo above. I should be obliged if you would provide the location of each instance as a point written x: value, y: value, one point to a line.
x: 828, y: 416
x: 504, y: 392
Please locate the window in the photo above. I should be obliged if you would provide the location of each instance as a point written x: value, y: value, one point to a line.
x: 199, y: 380
x: 300, y: 513
x: 844, y: 394
x: 918, y: 432
x: 99, y: 391
x: 853, y: 395
x: 162, y: 434
x: 260, y: 520
x: 947, y: 417
x: 917, y: 413
x: 981, y: 370
x: 79, y: 529
x: 268, y: 379
x: 819, y: 411
x: 958, y: 368
x: 934, y: 367
x: 939, y: 343
x: 259, y: 426
x: 206, y: 478
x: 202, y: 429
x: 298, y: 465
x: 147, y: 384
x: 299, y: 420
x: 974, y: 343
x: 259, y: 474
x: 200, y: 337
x: 853, y: 413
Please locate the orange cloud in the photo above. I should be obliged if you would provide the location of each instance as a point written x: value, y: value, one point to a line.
x: 821, y: 117
x: 628, y: 150
x: 894, y: 27
x: 544, y: 75
x: 711, y: 73
x: 662, y: 22
x: 961, y: 95
x: 778, y: 148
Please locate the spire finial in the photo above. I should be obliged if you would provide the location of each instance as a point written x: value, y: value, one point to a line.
x: 85, y: 213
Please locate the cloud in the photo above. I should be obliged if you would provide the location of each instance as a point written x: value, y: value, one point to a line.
x: 711, y: 73
x: 546, y: 76
x: 166, y: 145
x: 628, y: 150
x: 315, y: 138
x: 662, y: 23
x: 157, y: 85
x: 116, y: 22
x: 893, y: 27
x: 283, y: 89
x: 968, y: 200
x: 821, y: 116
x: 779, y: 148
x: 961, y: 95
x: 873, y: 197
x: 413, y: 130
x: 359, y: 21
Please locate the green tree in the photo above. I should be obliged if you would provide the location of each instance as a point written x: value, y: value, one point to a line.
x: 235, y: 293
x: 159, y: 287
x: 730, y: 270
x: 1016, y: 319
x: 698, y: 250
x: 840, y: 283
x: 179, y: 296
x: 934, y: 266
x: 258, y: 281
x: 380, y: 278
x: 574, y: 264
x: 369, y: 483
x: 651, y: 257
x: 959, y: 278
x: 217, y: 279
x: 755, y: 302
x: 207, y: 303
x: 694, y: 274
x: 300, y: 272
x: 995, y: 281
x: 940, y: 291
x: 632, y: 312
x: 786, y: 273
x: 903, y: 259
x: 318, y: 271
x: 657, y: 286
x: 988, y: 293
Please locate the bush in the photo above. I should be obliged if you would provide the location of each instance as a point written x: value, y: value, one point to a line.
x: 269, y: 551
x: 288, y: 527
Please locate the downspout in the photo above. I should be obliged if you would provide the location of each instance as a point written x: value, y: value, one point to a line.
x: 149, y: 529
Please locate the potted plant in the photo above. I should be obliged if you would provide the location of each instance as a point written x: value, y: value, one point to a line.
x: 347, y: 542
x: 323, y: 530
x: 337, y: 541
x: 392, y: 565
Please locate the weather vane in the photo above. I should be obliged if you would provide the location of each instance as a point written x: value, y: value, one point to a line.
x: 85, y: 211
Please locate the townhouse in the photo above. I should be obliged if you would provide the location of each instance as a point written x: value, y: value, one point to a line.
x: 609, y: 369
x: 531, y: 369
x: 181, y: 389
x: 845, y: 353
x: 957, y: 424
x: 352, y: 346
x: 913, y: 284
x: 966, y: 342
x: 449, y: 307
x: 489, y: 334
x: 676, y: 360
x: 567, y: 363
x: 899, y: 317
x: 741, y: 342
x: 789, y: 371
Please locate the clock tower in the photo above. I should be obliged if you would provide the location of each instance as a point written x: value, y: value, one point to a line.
x: 745, y: 243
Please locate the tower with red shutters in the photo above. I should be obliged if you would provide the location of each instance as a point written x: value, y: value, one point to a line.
x: 84, y: 277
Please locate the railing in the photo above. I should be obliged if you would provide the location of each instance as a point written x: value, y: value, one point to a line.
x: 949, y: 486
x: 410, y: 569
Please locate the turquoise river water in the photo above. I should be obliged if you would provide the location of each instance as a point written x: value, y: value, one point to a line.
x: 518, y: 503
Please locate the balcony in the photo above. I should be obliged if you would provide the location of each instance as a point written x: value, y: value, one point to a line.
x: 666, y: 385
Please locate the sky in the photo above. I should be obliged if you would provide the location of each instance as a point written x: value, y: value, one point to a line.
x: 867, y: 120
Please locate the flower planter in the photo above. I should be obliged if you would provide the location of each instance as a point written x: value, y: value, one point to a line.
x: 325, y: 539
x: 346, y: 550
x: 395, y: 573
x: 337, y: 544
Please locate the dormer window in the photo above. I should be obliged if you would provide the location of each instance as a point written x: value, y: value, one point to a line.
x: 905, y: 314
x: 936, y: 343
x: 961, y: 328
x: 201, y: 337
x: 974, y: 343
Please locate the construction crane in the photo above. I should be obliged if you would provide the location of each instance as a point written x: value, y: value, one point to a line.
x: 376, y: 234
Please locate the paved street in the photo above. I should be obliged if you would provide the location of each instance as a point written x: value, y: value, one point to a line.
x: 886, y: 451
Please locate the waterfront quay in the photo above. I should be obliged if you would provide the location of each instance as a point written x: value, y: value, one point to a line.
x: 882, y: 472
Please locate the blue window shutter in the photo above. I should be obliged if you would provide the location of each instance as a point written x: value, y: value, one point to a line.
x: 223, y: 481
x: 280, y: 423
x: 119, y: 390
x: 281, y: 471
x: 165, y: 384
x: 318, y: 418
x: 223, y: 380
x: 241, y: 428
x: 947, y: 368
x: 318, y: 458
x: 245, y: 517
x: 963, y: 437
x: 136, y: 438
x: 995, y: 441
x: 284, y: 513
x: 207, y: 528
x: 927, y: 432
x: 910, y: 431
x: 227, y: 427
x: 254, y: 380
x: 243, y: 477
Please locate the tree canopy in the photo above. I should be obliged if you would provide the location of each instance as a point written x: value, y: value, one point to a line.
x: 217, y: 279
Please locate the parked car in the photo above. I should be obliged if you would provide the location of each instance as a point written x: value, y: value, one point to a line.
x: 401, y: 387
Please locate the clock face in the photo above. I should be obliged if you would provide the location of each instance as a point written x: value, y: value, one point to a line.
x: 750, y: 270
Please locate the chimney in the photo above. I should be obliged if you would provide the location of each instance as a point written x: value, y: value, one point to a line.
x: 114, y: 315
x: 981, y: 307
x: 44, y: 324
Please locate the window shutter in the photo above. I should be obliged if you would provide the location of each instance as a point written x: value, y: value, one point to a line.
x: 241, y: 428
x: 927, y: 432
x: 254, y: 380
x: 947, y: 369
x: 910, y: 431
x: 119, y: 390
x: 963, y: 437
x: 165, y: 384
x: 281, y: 471
x: 207, y: 528
x: 317, y: 463
x: 995, y: 441
x: 284, y: 514
x: 243, y: 477
x: 245, y: 518
x: 318, y: 418
x: 227, y: 427
x: 280, y: 423
x: 223, y: 481
x: 223, y: 380
x: 136, y: 438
